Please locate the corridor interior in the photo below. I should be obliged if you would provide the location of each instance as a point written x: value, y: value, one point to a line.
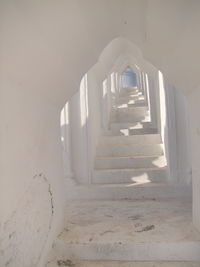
x: 125, y: 204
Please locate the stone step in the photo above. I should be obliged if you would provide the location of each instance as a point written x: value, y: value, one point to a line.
x: 130, y: 93
x: 132, y: 191
x: 141, y: 111
x: 129, y: 150
x: 129, y: 89
x: 145, y: 230
x: 130, y: 140
x: 133, y: 126
x: 130, y: 99
x: 130, y: 114
x: 180, y: 251
x: 129, y: 132
x: 129, y: 175
x: 124, y: 162
x: 133, y: 103
x: 120, y: 119
x: 129, y: 128
x: 126, y: 98
x: 76, y: 263
x: 142, y: 131
x: 139, y: 103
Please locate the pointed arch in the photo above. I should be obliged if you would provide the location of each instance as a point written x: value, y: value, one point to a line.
x: 129, y: 77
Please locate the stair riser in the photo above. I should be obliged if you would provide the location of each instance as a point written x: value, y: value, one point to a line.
x: 127, y: 150
x: 128, y: 93
x: 131, y: 95
x: 120, y: 118
x: 130, y: 125
x: 129, y: 89
x: 133, y: 104
x: 179, y: 251
x: 130, y: 113
x: 133, y: 128
x: 132, y: 110
x: 128, y: 176
x: 139, y: 103
x: 143, y: 131
x: 133, y: 132
x: 127, y: 99
x: 128, y: 162
x: 124, y: 191
x: 130, y: 140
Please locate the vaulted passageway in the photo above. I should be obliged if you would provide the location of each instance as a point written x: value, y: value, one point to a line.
x: 126, y: 200
x: 144, y: 119
x: 42, y: 61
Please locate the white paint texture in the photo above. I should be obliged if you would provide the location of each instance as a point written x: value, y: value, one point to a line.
x: 46, y: 47
x: 195, y: 135
x: 24, y: 232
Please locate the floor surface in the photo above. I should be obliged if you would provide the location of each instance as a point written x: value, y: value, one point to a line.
x: 94, y: 229
x: 121, y: 264
x: 129, y: 221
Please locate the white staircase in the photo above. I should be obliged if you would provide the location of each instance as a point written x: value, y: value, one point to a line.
x: 128, y: 215
x: 133, y: 153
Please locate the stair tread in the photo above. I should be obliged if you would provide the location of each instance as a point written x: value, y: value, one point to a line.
x: 128, y: 264
x: 134, y: 144
x: 129, y: 157
x: 130, y: 120
x: 130, y: 136
x: 138, y: 144
x: 126, y: 185
x: 129, y: 169
x: 126, y: 212
x: 141, y: 230
x: 131, y: 108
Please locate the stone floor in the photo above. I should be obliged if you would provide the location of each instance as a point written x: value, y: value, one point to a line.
x: 129, y: 221
x: 121, y: 264
x: 108, y: 233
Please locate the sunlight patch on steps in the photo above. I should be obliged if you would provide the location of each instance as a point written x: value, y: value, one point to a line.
x: 139, y: 180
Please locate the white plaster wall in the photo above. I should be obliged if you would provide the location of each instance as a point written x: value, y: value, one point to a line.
x: 169, y: 128
x: 66, y: 140
x: 85, y: 125
x: 79, y: 136
x: 95, y: 126
x: 173, y: 40
x: 183, y: 138
x: 31, y: 206
x: 194, y: 109
x: 175, y: 130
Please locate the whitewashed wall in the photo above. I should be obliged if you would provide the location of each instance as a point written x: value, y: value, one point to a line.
x: 193, y: 99
x: 85, y: 126
x: 79, y: 135
x: 43, y: 59
x: 183, y: 137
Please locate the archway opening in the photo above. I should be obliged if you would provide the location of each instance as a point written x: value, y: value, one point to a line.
x: 126, y: 131
x: 129, y: 78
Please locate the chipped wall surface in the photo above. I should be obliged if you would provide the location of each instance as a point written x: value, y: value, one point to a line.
x: 26, y: 231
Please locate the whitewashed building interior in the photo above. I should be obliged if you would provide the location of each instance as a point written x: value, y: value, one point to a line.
x: 100, y: 133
